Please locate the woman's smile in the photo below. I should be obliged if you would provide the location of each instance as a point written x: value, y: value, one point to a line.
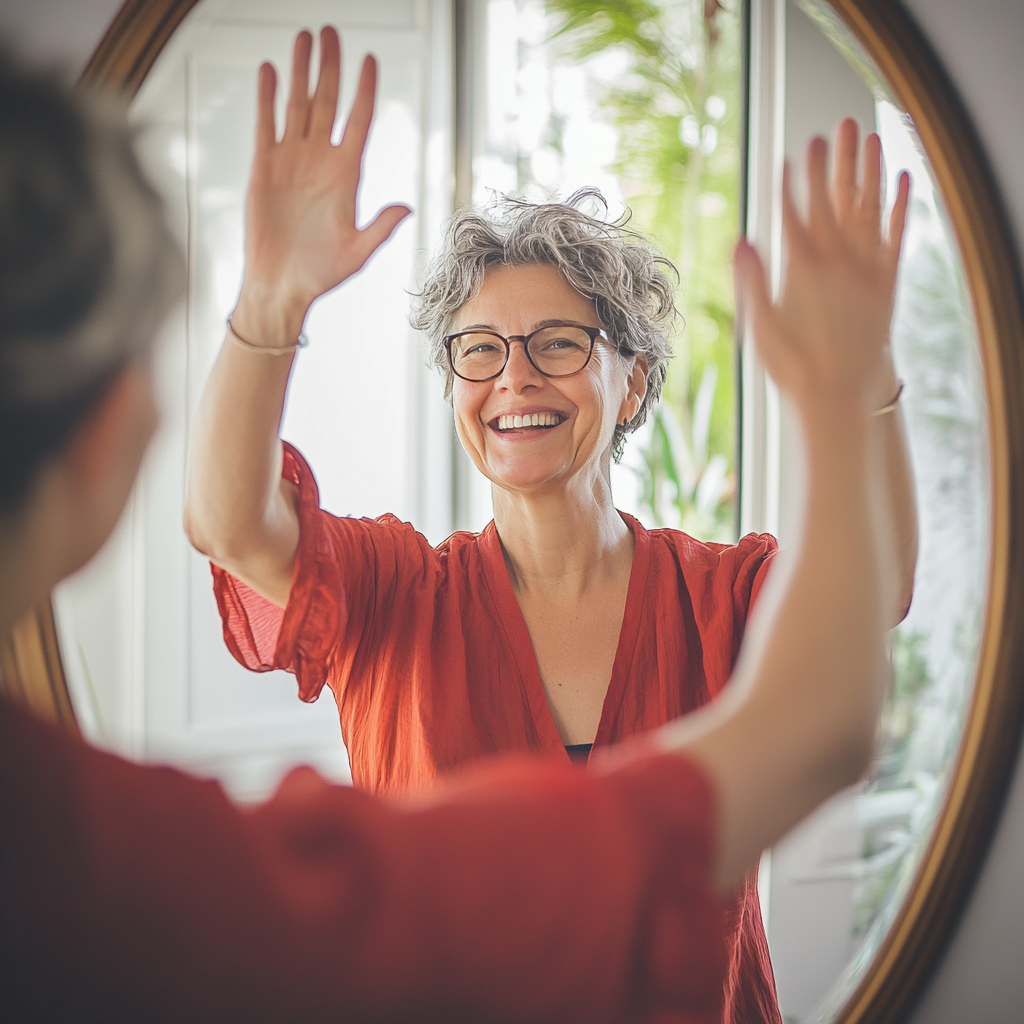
x: 526, y: 423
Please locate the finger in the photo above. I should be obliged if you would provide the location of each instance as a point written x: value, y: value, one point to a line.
x: 871, y: 193
x: 898, y: 219
x: 325, y: 99
x: 753, y: 297
x: 753, y: 301
x: 844, y: 175
x: 380, y: 229
x: 361, y: 115
x: 298, y: 96
x: 820, y: 215
x: 793, y: 228
x: 266, y: 92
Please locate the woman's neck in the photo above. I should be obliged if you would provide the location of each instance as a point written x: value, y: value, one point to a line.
x: 566, y: 540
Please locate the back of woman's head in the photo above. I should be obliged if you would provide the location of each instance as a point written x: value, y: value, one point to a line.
x: 88, y: 269
x: 630, y: 283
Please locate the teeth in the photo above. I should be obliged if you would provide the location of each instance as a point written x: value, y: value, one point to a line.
x: 535, y: 419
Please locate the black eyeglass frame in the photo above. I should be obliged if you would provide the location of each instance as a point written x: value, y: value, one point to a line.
x: 593, y: 333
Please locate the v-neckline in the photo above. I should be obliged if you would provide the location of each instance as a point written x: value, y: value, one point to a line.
x: 517, y: 636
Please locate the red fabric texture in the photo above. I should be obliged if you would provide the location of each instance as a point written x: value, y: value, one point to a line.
x: 432, y: 667
x: 525, y: 890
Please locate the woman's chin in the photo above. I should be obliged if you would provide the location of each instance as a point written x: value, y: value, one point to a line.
x: 524, y: 474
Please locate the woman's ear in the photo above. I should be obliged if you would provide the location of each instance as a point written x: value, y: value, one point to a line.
x: 636, y: 388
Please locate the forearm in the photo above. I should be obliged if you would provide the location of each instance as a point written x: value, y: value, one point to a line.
x: 798, y: 722
x: 237, y: 511
x: 901, y: 503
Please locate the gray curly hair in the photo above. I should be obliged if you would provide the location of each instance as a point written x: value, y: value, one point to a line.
x: 628, y: 280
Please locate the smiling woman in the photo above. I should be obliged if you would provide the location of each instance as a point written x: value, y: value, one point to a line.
x: 564, y: 623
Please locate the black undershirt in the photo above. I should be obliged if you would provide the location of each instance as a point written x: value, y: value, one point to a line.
x: 578, y: 752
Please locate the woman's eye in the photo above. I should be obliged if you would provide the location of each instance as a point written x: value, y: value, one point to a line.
x: 557, y: 344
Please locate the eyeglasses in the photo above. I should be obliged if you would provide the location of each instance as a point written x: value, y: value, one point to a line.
x: 557, y: 349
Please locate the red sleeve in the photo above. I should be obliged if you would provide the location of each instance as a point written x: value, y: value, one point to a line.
x: 753, y: 557
x: 524, y: 891
x: 347, y: 571
x: 723, y: 582
x: 760, y: 576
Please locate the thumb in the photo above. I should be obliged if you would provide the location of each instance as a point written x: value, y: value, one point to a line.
x: 380, y: 229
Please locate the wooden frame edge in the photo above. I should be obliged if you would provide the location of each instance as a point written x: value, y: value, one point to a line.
x: 945, y: 877
x: 32, y: 671
x: 133, y: 41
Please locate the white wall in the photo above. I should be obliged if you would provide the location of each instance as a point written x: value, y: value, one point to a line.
x: 981, y: 978
x: 64, y: 32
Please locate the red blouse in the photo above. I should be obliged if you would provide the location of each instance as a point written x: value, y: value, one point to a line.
x: 524, y: 891
x: 432, y: 666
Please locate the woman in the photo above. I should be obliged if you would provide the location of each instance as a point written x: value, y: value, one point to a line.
x: 564, y: 624
x: 137, y: 893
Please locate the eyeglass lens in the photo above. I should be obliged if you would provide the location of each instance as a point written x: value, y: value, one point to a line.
x: 555, y: 351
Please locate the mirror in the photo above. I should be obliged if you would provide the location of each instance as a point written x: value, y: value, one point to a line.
x: 139, y: 638
x: 837, y: 882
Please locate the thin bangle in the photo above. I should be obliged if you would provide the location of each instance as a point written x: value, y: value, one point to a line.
x: 267, y: 350
x: 891, y: 407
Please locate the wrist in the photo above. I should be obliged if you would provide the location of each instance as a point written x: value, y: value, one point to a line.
x: 835, y: 417
x: 266, y: 318
x: 887, y: 382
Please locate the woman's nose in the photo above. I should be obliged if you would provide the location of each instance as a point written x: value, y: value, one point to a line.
x: 519, y: 372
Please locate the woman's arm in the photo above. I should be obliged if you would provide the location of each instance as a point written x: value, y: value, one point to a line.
x: 901, y: 503
x: 798, y: 722
x: 900, y: 492
x: 301, y: 241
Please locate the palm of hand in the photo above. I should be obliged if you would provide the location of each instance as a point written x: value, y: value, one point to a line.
x: 301, y: 233
x: 829, y: 331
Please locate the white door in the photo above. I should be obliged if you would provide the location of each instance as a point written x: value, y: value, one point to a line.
x: 140, y: 631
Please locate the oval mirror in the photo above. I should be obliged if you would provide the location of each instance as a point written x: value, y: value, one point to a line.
x: 532, y: 96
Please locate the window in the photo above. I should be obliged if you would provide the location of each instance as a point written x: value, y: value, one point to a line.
x: 643, y: 103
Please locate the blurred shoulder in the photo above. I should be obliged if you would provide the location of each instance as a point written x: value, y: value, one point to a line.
x: 689, y: 552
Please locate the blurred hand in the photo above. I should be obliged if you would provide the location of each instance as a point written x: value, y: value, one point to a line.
x: 827, y: 338
x: 301, y: 238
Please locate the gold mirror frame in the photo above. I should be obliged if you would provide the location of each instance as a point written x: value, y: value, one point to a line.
x: 988, y: 748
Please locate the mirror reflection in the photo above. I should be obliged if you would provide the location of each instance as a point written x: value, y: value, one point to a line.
x: 838, y: 882
x: 558, y: 105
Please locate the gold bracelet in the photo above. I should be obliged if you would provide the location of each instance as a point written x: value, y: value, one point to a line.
x: 267, y: 350
x: 891, y: 407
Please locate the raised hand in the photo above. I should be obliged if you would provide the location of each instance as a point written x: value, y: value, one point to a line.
x: 301, y: 234
x: 828, y: 335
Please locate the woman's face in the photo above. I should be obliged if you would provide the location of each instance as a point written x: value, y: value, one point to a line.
x: 580, y: 411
